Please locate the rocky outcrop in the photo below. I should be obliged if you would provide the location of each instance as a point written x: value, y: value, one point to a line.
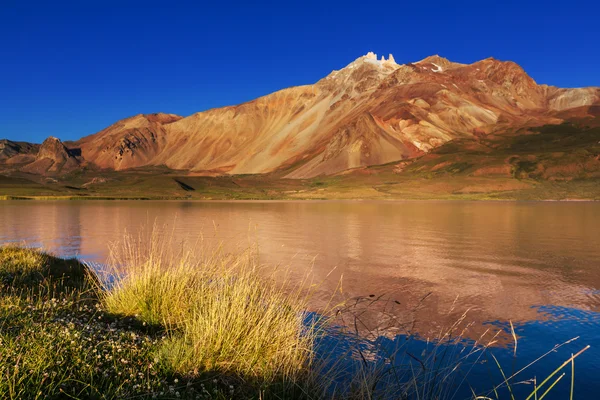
x: 53, y: 158
x: 564, y: 99
x: 53, y: 149
x: 371, y: 56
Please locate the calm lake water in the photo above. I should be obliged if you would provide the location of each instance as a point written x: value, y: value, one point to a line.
x: 535, y: 264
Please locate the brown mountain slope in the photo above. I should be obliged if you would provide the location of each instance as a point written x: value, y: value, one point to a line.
x: 129, y: 143
x: 53, y: 158
x: 370, y: 112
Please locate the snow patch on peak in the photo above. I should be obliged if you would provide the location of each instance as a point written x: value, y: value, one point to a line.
x: 437, y: 68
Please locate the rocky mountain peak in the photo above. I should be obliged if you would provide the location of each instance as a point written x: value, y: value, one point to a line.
x: 371, y: 56
x: 53, y: 157
x: 372, y: 111
x: 365, y: 71
x: 53, y: 149
x: 438, y: 63
x: 162, y: 118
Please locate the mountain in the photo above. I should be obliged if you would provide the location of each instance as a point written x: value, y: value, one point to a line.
x: 17, y: 152
x: 373, y: 111
x: 53, y: 158
x: 129, y: 143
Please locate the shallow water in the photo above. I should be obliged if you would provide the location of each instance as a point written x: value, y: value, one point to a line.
x: 535, y: 264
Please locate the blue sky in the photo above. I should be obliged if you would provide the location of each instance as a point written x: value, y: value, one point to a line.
x: 71, y: 68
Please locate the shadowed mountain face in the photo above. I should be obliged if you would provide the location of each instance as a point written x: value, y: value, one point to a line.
x: 17, y: 152
x: 371, y: 112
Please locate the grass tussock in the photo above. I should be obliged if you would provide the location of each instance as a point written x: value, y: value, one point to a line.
x: 154, y: 324
x: 221, y: 312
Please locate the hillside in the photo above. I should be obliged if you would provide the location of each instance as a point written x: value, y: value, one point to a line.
x: 371, y: 112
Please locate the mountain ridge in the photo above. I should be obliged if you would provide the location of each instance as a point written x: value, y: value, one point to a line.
x: 373, y: 111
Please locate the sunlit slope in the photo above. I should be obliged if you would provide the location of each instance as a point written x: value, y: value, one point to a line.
x: 371, y: 112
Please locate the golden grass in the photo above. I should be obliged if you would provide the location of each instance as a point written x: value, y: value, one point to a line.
x: 222, y: 314
x: 19, y: 260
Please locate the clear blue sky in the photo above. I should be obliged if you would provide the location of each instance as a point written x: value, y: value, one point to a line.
x: 71, y: 68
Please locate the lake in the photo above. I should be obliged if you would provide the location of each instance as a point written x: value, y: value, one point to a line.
x: 536, y: 264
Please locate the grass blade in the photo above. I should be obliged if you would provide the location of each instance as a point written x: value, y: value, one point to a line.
x: 551, y: 386
x: 557, y: 370
x: 504, y: 376
x: 572, y: 376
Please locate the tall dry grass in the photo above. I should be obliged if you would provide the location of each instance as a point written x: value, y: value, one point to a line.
x: 223, y: 312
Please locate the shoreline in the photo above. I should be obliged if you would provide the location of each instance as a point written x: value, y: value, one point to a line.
x: 141, y: 342
x: 276, y: 200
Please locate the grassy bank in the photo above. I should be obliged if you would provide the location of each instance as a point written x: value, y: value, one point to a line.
x: 205, y: 329
x: 165, y: 323
x: 381, y: 187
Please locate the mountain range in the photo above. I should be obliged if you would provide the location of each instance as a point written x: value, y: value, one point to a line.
x: 372, y: 112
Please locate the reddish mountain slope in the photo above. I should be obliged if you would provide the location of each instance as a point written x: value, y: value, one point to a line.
x: 129, y: 143
x: 370, y: 112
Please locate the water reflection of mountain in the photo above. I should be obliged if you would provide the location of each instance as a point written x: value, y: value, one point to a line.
x: 403, y: 358
x: 497, y: 259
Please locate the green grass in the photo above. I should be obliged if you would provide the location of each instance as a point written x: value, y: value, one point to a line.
x: 22, y: 268
x: 56, y: 339
x: 213, y: 333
